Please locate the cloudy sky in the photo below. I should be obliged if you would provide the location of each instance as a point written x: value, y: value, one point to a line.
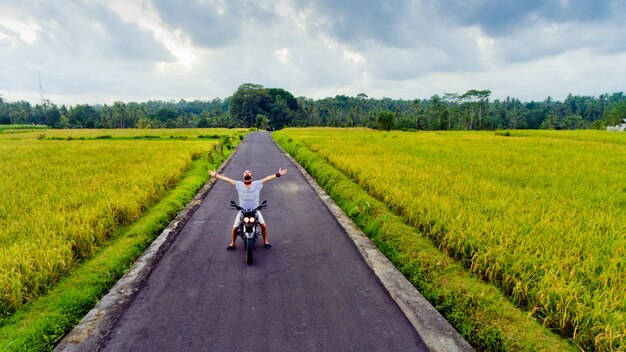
x: 101, y: 51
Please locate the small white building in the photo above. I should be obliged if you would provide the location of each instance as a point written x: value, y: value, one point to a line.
x: 619, y: 128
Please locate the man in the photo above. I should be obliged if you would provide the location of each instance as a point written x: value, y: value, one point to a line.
x: 249, y: 194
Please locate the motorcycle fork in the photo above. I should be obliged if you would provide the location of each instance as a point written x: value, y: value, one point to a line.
x: 243, y: 233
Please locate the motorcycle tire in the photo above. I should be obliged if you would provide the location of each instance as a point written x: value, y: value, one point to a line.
x: 249, y: 247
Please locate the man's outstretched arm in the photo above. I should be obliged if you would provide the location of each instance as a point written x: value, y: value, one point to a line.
x: 278, y: 174
x: 222, y: 177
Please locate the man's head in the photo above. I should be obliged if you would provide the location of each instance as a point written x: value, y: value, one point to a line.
x: 247, y: 177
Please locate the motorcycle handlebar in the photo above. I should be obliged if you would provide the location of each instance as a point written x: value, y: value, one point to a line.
x: 235, y: 206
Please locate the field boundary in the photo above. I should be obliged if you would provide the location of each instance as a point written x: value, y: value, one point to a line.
x: 96, y: 326
x: 432, y: 327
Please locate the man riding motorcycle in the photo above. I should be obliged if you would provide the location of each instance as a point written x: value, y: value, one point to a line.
x: 249, y: 193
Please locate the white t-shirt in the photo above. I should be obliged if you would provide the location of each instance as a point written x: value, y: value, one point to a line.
x: 249, y: 198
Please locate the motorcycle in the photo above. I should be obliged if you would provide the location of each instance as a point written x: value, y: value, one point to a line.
x: 248, y: 229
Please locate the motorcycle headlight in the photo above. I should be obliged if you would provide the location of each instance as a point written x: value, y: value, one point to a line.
x: 246, y: 219
x: 252, y: 219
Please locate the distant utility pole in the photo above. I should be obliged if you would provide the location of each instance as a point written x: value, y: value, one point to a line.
x: 41, y: 92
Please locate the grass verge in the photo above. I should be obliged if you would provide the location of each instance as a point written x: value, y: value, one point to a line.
x: 40, y: 325
x: 479, y: 311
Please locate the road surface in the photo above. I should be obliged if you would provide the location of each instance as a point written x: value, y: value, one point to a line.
x: 311, y: 292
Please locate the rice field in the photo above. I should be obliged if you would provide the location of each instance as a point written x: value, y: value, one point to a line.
x: 541, y: 215
x: 62, y: 199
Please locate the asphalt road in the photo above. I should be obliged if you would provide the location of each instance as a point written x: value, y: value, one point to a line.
x: 311, y: 292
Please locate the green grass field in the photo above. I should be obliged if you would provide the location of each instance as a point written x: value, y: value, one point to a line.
x: 539, y: 214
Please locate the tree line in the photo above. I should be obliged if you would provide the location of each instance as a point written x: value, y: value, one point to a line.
x: 254, y: 105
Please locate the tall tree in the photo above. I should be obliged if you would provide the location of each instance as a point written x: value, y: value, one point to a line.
x: 616, y: 114
x: 436, y: 113
x: 248, y: 101
x: 83, y: 115
x: 386, y: 120
x: 477, y: 101
x: 282, y: 107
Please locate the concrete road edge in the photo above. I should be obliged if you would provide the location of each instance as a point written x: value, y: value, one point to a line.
x: 96, y: 326
x: 435, y: 330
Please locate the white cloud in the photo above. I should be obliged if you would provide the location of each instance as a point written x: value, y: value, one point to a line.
x: 178, y: 44
x: 16, y: 21
x: 102, y: 51
x: 354, y: 57
x: 576, y: 72
x: 283, y: 55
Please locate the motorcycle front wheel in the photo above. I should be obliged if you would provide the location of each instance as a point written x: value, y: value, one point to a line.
x: 249, y: 245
